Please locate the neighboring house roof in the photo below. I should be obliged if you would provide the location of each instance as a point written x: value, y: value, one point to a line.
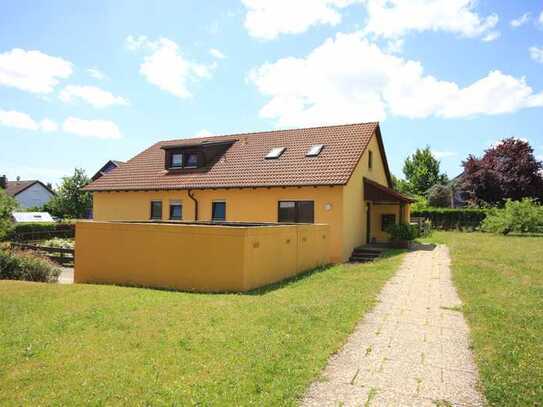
x: 107, y: 167
x: 14, y: 188
x: 244, y: 165
x: 32, y: 217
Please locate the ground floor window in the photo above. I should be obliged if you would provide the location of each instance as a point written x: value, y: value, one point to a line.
x: 176, y: 210
x: 296, y: 211
x: 218, y: 211
x: 387, y: 220
x: 156, y: 209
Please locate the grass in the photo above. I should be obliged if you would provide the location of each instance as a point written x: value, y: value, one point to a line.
x: 500, y: 281
x: 97, y: 345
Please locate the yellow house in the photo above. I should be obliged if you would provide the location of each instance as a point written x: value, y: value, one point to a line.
x: 335, y: 175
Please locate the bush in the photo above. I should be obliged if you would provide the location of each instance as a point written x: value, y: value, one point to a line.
x: 7, y: 206
x: 447, y: 218
x: 26, y: 266
x: 402, y: 232
x: 420, y: 204
x: 524, y: 216
x: 59, y: 243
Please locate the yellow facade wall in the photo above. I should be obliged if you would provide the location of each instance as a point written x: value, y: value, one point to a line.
x: 377, y: 211
x: 242, y: 205
x: 343, y: 208
x: 354, y: 205
x: 196, y: 257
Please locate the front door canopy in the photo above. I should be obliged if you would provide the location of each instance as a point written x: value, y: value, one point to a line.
x: 376, y: 192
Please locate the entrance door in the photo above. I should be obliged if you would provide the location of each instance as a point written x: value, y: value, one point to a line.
x: 368, y: 223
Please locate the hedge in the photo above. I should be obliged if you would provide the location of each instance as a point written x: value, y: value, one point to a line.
x: 447, y: 218
x: 41, y: 231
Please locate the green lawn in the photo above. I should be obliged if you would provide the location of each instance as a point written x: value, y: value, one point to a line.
x: 500, y: 280
x: 87, y: 344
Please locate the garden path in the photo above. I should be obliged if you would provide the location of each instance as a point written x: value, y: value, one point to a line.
x: 412, y: 349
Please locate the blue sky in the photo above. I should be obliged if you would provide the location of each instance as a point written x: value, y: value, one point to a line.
x: 85, y: 82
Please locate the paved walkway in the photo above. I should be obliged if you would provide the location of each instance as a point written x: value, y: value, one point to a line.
x: 411, y: 350
x: 66, y: 275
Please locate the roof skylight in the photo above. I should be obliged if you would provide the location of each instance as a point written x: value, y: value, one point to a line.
x: 275, y: 152
x: 314, y: 150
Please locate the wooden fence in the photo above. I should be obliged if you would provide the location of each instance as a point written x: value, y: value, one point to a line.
x: 32, y: 233
x: 60, y: 255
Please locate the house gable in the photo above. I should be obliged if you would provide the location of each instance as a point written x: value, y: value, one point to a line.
x: 34, y: 195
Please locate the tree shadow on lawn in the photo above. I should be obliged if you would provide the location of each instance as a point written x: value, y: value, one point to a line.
x: 427, y: 247
x: 515, y: 234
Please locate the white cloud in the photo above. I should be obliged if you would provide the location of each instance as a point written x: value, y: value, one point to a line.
x: 395, y: 18
x: 349, y: 79
x: 32, y: 71
x: 443, y: 154
x: 102, y: 129
x: 518, y: 22
x: 266, y: 19
x: 20, y: 120
x: 96, y: 74
x: 536, y: 54
x: 92, y: 95
x: 540, y: 20
x: 166, y: 67
x: 395, y: 46
x: 491, y: 36
x: 48, y: 125
x: 216, y: 53
x: 390, y: 19
x: 11, y: 118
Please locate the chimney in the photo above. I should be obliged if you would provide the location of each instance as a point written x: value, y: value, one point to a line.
x: 3, y: 182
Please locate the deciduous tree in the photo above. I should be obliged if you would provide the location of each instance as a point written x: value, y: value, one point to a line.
x: 422, y: 171
x: 508, y: 170
x: 70, y: 200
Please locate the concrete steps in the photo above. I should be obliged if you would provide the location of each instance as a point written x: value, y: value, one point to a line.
x: 365, y: 254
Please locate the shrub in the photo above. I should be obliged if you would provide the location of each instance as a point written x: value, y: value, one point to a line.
x: 420, y: 204
x: 26, y: 266
x: 7, y: 206
x: 524, y: 216
x: 402, y: 231
x: 59, y: 243
x: 447, y: 218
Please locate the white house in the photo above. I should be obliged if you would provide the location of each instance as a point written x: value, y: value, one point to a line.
x: 28, y: 194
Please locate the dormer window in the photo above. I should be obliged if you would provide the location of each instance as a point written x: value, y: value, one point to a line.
x: 275, y: 153
x: 179, y: 160
x: 194, y: 156
x: 191, y: 160
x: 176, y: 160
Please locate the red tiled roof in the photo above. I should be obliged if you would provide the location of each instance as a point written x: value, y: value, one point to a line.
x: 244, y: 165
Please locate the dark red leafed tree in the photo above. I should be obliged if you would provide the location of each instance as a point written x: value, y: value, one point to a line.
x: 507, y: 170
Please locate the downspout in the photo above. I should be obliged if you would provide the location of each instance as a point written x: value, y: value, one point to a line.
x: 189, y: 192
